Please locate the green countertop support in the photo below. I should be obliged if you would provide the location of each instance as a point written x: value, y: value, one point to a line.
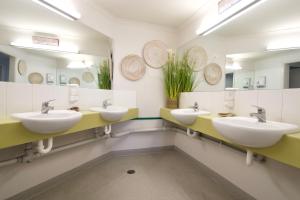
x: 13, y: 133
x: 287, y: 150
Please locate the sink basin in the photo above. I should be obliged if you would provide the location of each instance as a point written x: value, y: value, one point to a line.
x: 55, y: 121
x: 249, y: 132
x: 111, y: 113
x: 187, y: 116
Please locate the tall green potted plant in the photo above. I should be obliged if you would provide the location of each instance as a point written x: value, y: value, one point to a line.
x: 172, y: 81
x: 104, y: 77
x: 178, y: 77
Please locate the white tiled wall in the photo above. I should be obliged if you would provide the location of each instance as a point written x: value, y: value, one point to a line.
x: 20, y: 97
x: 210, y: 101
x: 271, y: 100
x: 244, y: 101
x: 280, y: 105
x: 291, y: 106
x: 124, y: 98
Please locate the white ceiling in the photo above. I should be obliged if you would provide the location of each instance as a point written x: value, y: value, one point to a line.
x: 163, y: 12
x: 270, y: 16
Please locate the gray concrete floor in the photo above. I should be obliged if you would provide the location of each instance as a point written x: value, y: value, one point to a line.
x: 164, y: 175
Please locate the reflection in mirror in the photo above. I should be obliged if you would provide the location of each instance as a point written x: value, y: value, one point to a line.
x: 51, y: 68
x: 41, y: 47
x: 263, y: 70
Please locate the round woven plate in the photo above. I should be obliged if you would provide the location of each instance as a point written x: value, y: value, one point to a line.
x: 35, y: 78
x: 74, y: 80
x: 88, y: 77
x: 197, y: 58
x: 133, y: 67
x: 213, y: 73
x: 155, y: 53
x: 22, y: 67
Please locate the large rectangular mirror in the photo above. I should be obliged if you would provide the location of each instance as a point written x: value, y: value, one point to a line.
x: 41, y: 47
x: 263, y: 70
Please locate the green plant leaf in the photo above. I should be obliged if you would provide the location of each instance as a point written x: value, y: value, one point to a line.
x: 178, y: 76
x: 104, y: 78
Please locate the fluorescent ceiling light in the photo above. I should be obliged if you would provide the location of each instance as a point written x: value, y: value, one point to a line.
x: 234, y: 66
x: 79, y: 65
x: 284, y: 45
x: 236, y: 11
x: 60, y: 7
x: 30, y: 45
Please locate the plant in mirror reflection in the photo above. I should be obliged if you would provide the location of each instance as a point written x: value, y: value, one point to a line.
x: 104, y: 78
x: 178, y: 77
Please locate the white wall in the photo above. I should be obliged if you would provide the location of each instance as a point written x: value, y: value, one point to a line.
x: 216, y: 54
x: 130, y: 38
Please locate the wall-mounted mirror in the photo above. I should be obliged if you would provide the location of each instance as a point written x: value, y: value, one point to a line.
x: 40, y: 47
x: 263, y: 70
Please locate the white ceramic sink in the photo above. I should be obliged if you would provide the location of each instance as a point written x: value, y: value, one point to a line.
x: 188, y: 115
x: 111, y: 113
x: 55, y: 121
x: 249, y: 132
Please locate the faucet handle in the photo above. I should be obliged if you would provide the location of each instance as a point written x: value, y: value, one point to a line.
x: 259, y: 108
x: 47, y: 102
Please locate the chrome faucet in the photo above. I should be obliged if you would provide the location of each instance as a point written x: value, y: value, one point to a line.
x: 260, y: 115
x: 195, y: 107
x: 106, y: 103
x: 45, y: 107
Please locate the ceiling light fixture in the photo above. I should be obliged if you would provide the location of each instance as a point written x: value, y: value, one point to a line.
x: 30, y: 45
x: 283, y: 45
x: 234, y: 66
x: 242, y: 9
x: 60, y: 8
x: 78, y: 65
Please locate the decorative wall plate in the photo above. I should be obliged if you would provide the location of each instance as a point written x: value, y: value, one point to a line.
x: 213, y: 73
x: 133, y: 67
x: 22, y: 67
x: 155, y: 53
x: 35, y: 78
x: 197, y: 58
x: 74, y: 80
x: 88, y: 77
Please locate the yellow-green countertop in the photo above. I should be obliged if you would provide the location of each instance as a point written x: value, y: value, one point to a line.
x: 13, y: 133
x: 287, y: 150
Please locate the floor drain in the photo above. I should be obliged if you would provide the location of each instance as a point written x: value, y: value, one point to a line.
x: 130, y: 171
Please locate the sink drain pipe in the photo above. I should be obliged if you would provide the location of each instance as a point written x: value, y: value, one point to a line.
x: 191, y: 133
x: 249, y: 157
x: 107, y: 129
x: 41, y: 148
